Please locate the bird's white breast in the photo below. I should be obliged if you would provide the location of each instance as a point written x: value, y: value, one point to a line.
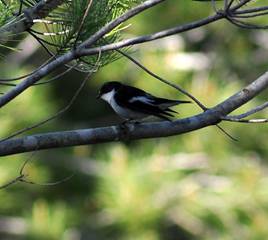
x: 108, y: 96
x: 123, y: 112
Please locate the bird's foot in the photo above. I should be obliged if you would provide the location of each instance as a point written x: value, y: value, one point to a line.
x: 125, y: 127
x: 124, y: 123
x: 129, y: 121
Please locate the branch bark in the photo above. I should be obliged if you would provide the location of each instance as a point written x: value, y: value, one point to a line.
x: 146, y: 130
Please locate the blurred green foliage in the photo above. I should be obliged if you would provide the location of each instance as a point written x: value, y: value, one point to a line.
x: 7, y: 10
x: 200, y: 185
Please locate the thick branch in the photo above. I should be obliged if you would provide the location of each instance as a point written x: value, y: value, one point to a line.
x: 37, y: 75
x: 146, y: 130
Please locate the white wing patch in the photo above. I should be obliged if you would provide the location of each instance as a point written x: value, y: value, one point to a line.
x: 142, y: 99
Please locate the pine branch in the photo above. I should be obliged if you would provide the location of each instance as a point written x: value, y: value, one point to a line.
x: 24, y: 22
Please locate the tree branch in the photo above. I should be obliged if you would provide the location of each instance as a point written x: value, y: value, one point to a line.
x: 150, y: 37
x: 25, y: 21
x: 140, y: 131
x: 83, y: 49
x: 241, y: 118
x: 71, y: 55
x: 250, y: 112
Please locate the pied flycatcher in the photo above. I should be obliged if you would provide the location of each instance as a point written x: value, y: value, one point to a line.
x: 132, y: 103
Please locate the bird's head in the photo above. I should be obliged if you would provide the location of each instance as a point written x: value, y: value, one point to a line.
x: 108, y: 89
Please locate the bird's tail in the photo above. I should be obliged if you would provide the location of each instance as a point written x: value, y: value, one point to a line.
x: 170, y: 103
x: 182, y: 101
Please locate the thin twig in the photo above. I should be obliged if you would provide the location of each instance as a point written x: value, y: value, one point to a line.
x: 163, y: 80
x: 26, y: 75
x: 57, y: 77
x: 49, y: 183
x: 230, y: 119
x: 239, y: 5
x: 246, y: 25
x: 251, y: 10
x: 251, y: 15
x: 226, y: 133
x: 251, y: 112
x: 89, y: 3
x: 63, y: 110
x: 39, y: 40
x: 241, y: 117
x: 23, y: 177
x: 230, y: 5
x: 56, y: 115
x: 177, y: 87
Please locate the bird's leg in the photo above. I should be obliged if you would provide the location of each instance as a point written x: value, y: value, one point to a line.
x: 123, y: 125
x: 125, y: 122
x: 123, y: 128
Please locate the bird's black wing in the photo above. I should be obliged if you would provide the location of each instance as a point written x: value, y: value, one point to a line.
x: 140, y: 101
x: 132, y: 92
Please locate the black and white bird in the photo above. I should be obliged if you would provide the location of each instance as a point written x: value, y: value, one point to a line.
x: 132, y: 103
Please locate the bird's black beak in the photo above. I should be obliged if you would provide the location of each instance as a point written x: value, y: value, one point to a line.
x: 98, y: 96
